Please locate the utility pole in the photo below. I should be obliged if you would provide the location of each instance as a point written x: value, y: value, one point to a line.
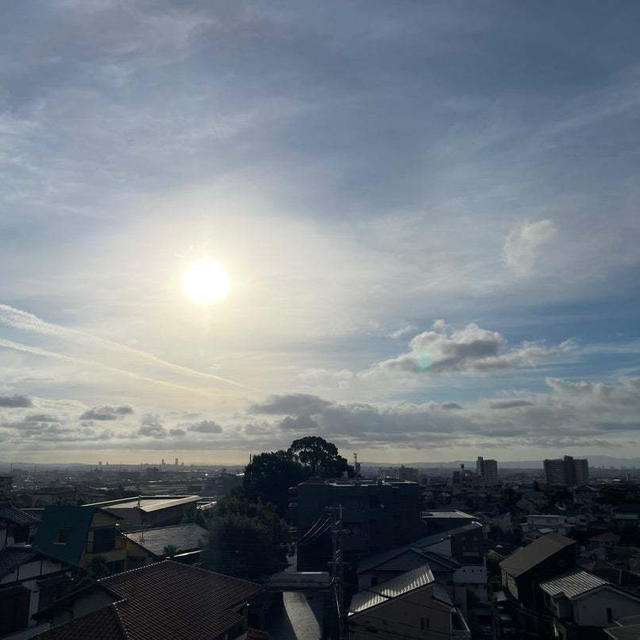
x: 337, y: 566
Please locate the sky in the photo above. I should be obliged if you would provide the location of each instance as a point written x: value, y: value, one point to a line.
x: 428, y: 213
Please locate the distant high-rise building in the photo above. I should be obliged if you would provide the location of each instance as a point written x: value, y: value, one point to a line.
x: 162, y: 462
x: 567, y: 471
x: 408, y: 473
x: 487, y: 470
x: 176, y: 462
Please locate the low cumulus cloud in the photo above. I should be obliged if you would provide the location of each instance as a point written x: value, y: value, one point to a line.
x: 524, y: 243
x: 15, y: 401
x: 205, y: 426
x: 568, y: 414
x: 106, y: 413
x: 151, y: 427
x: 471, y: 350
x: 295, y: 403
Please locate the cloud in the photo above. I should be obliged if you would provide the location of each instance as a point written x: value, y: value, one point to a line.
x: 205, y: 426
x: 471, y: 350
x: 403, y: 331
x: 450, y: 406
x: 523, y: 244
x: 299, y: 423
x: 106, y: 413
x: 294, y: 403
x: 15, y: 401
x: 151, y: 426
x: 19, y: 319
x: 510, y: 404
x: 179, y: 433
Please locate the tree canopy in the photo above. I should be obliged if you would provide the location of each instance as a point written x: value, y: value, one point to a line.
x: 269, y: 476
x: 246, y: 539
x: 319, y: 456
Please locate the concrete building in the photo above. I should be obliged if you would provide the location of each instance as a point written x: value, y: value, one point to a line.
x: 376, y: 516
x: 488, y: 471
x: 567, y: 471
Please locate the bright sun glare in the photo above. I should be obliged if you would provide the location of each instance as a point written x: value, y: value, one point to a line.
x: 205, y: 281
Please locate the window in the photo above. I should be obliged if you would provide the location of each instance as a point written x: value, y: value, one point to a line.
x: 62, y: 536
x: 609, y: 614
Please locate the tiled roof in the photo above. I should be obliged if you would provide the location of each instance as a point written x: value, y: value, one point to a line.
x: 535, y: 553
x: 13, y: 557
x: 102, y: 624
x: 16, y: 516
x: 171, y: 601
x: 390, y: 589
x: 184, y: 537
x: 572, y: 584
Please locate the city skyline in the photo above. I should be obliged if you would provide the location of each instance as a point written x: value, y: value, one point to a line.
x: 427, y: 215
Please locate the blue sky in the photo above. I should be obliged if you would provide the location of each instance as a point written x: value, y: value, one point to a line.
x: 428, y: 213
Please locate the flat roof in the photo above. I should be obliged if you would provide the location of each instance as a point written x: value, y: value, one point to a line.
x: 147, y: 503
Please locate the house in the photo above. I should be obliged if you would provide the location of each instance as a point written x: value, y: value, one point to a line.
x: 166, y: 600
x: 29, y: 581
x: 465, y: 543
x: 583, y: 603
x: 391, y: 564
x: 77, y: 535
x: 150, y: 545
x: 148, y: 511
x: 411, y: 605
x: 16, y: 526
x: 544, y: 558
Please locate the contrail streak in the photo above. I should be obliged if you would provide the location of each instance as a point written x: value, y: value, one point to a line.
x: 26, y: 321
x: 17, y: 346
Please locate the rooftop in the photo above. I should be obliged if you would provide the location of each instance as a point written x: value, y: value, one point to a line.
x: 572, y: 584
x: 16, y: 516
x: 394, y: 588
x: 146, y: 503
x: 428, y: 541
x: 535, y: 553
x: 192, y: 604
x: 184, y: 537
x: 454, y: 513
x: 13, y: 557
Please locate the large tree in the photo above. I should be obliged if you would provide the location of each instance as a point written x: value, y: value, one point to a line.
x: 246, y: 539
x: 320, y: 457
x: 269, y: 476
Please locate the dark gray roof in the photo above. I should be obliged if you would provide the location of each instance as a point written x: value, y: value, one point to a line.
x: 184, y: 537
x: 533, y: 554
x: 16, y: 516
x: 428, y: 541
x: 406, y: 558
x: 13, y: 557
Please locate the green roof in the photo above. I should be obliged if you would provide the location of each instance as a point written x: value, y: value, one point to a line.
x: 76, y: 522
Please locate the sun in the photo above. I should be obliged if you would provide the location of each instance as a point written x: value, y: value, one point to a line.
x: 205, y: 281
